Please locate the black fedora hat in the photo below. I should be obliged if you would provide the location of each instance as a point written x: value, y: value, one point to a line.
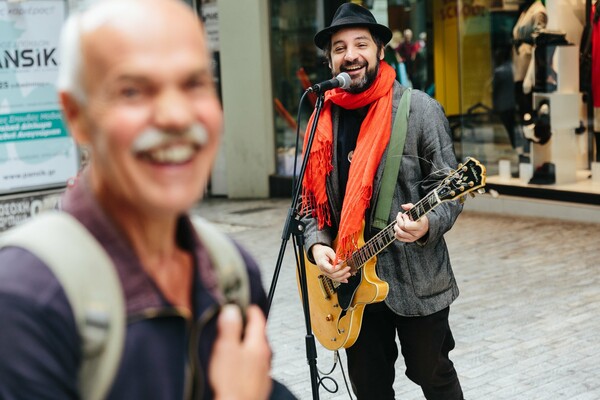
x: 348, y: 15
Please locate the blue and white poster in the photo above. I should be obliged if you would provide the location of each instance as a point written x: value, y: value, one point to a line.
x: 36, y: 150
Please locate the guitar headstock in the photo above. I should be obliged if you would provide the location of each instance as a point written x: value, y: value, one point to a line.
x: 468, y: 177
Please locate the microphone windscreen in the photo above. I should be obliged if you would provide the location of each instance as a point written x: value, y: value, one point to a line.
x: 344, y: 80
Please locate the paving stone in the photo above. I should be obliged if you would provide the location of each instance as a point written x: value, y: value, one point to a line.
x: 526, y: 322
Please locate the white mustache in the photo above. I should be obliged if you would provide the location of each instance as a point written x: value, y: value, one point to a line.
x: 152, y: 138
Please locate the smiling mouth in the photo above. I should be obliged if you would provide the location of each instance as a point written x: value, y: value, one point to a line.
x: 352, y: 69
x: 174, y: 154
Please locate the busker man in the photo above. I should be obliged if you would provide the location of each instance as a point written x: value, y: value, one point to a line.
x: 137, y: 91
x: 340, y: 188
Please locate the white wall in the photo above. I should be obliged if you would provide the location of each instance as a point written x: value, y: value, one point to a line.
x: 247, y: 100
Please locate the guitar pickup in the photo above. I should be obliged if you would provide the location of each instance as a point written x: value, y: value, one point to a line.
x: 326, y: 286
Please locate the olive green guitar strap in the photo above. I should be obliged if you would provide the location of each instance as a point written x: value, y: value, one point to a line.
x: 392, y: 163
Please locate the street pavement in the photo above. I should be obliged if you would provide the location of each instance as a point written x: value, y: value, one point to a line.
x: 526, y: 323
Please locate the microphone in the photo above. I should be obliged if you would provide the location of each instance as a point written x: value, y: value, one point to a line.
x: 342, y: 81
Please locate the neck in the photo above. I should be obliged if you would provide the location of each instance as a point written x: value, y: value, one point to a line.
x: 150, y: 235
x: 154, y: 242
x: 148, y: 232
x: 152, y: 238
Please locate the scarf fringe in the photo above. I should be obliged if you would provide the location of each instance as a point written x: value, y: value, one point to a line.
x: 348, y: 241
x: 314, y: 197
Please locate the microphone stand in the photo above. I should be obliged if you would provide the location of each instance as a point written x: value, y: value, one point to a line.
x: 294, y: 225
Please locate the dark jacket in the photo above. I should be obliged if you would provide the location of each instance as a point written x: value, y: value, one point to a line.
x: 166, y: 350
x: 419, y: 274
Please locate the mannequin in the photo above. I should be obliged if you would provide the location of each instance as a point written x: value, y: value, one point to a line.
x: 533, y: 18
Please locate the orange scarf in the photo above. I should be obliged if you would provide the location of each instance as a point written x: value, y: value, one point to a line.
x: 373, y: 138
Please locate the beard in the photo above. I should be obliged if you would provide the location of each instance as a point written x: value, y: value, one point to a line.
x: 366, y: 81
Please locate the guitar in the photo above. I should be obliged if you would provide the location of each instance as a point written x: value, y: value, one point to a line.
x: 336, y: 309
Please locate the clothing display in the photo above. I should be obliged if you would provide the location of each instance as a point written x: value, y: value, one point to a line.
x: 542, y: 130
x: 595, y: 34
x: 545, y: 78
x: 544, y: 175
x: 503, y: 100
x: 532, y: 20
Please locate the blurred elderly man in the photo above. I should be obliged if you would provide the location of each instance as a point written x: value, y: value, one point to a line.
x: 137, y: 91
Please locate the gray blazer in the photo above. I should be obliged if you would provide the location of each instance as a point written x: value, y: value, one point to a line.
x: 419, y: 274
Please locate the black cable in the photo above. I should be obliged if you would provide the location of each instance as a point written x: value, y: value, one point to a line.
x: 344, y: 376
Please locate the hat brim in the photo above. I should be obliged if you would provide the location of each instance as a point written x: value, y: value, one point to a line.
x: 381, y: 31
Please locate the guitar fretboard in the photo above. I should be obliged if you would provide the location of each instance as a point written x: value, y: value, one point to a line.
x: 386, y: 236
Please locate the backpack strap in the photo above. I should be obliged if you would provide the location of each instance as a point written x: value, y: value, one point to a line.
x: 94, y: 290
x: 392, y: 162
x: 92, y: 286
x: 229, y: 264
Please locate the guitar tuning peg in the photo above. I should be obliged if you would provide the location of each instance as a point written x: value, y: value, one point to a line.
x: 481, y: 190
x: 471, y: 194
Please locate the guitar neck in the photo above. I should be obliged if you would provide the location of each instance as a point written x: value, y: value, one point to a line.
x: 386, y: 236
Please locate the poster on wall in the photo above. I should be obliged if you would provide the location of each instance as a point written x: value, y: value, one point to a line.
x: 210, y: 18
x: 36, y: 150
x: 17, y: 208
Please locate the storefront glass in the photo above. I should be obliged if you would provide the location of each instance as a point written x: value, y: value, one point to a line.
x: 461, y: 52
x: 473, y: 76
x: 296, y: 64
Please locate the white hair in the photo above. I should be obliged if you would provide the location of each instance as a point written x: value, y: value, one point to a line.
x: 91, y: 15
x: 70, y: 67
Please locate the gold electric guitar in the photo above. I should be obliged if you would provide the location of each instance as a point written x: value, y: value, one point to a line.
x: 336, y: 309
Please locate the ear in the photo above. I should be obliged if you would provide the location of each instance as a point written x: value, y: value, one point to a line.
x: 75, y: 118
x: 382, y: 53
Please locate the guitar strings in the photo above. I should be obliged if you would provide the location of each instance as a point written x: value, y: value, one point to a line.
x: 385, y: 237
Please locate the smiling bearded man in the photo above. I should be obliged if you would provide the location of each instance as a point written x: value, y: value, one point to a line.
x: 341, y: 188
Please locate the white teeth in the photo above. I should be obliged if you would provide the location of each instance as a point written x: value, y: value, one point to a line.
x: 176, y: 154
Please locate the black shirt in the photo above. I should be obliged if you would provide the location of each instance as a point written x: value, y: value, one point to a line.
x: 349, y: 127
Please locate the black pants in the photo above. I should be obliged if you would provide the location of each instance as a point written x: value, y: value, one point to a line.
x: 425, y: 343
x: 508, y: 119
